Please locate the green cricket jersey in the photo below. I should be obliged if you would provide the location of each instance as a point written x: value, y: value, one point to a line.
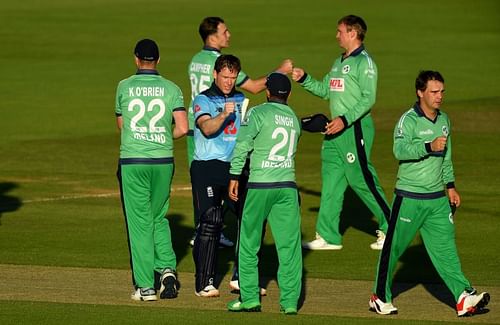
x: 146, y: 102
x: 200, y: 72
x: 351, y: 86
x: 420, y: 170
x: 272, y: 131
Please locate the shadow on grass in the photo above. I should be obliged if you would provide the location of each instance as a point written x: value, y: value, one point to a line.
x: 354, y: 212
x: 417, y: 268
x: 8, y: 203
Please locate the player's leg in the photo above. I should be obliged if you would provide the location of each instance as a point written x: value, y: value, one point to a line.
x: 438, y: 234
x: 362, y: 175
x: 333, y: 187
x: 405, y: 221
x: 136, y: 193
x: 284, y: 220
x: 254, y: 213
x: 208, y: 204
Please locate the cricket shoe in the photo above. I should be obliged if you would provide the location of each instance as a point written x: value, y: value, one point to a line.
x: 469, y: 303
x: 320, y: 244
x: 380, y: 307
x: 169, y: 284
x: 237, y: 305
x: 379, y: 243
x: 234, y: 285
x: 144, y: 294
x: 208, y: 292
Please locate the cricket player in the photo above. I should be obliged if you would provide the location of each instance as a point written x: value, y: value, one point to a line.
x: 351, y: 87
x: 146, y: 103
x: 215, y: 36
x: 217, y: 117
x: 271, y: 135
x: 425, y: 189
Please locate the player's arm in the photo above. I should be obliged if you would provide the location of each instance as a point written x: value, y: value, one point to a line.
x: 448, y: 173
x: 405, y: 148
x: 315, y: 87
x: 255, y: 86
x: 367, y: 79
x: 210, y: 125
x: 244, y: 144
x: 119, y: 122
x: 181, y: 123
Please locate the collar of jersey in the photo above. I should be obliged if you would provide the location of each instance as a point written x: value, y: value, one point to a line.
x: 356, y: 52
x: 209, y: 48
x: 420, y: 112
x: 147, y: 71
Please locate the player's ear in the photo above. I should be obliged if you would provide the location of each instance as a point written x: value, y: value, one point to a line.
x: 137, y: 62
x: 158, y: 61
x: 214, y: 73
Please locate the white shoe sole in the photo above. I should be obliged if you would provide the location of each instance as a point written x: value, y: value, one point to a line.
x: 208, y: 294
x: 327, y: 247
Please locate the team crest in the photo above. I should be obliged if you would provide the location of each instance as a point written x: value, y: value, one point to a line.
x: 351, y: 158
x: 445, y: 130
x: 197, y: 108
x: 346, y: 68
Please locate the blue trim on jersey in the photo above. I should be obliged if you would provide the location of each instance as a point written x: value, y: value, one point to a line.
x: 356, y: 52
x: 420, y: 196
x: 420, y: 113
x: 147, y: 71
x: 146, y: 161
x: 269, y: 185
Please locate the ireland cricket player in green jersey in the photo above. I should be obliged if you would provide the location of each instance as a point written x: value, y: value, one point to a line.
x: 422, y: 144
x: 146, y: 103
x: 351, y: 87
x: 215, y: 36
x: 270, y: 134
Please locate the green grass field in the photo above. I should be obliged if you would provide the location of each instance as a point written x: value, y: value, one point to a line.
x: 61, y: 62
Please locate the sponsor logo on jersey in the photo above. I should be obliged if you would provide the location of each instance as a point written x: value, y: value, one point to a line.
x: 445, y: 130
x: 346, y: 68
x: 197, y: 108
x: 426, y: 132
x: 351, y: 158
x: 337, y: 84
x: 230, y: 128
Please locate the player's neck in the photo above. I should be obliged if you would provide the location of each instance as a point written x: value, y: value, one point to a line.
x: 429, y: 112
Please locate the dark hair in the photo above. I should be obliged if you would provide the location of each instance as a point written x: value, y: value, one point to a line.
x: 228, y: 61
x: 423, y: 77
x: 209, y: 26
x: 356, y: 23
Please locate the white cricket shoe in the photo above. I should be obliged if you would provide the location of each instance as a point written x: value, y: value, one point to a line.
x: 379, y: 243
x: 208, y: 292
x: 320, y: 244
x: 144, y: 294
x: 380, y: 307
x: 234, y: 285
x: 469, y: 302
x: 224, y: 241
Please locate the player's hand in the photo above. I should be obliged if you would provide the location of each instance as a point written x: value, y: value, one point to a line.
x: 286, y: 67
x: 297, y: 73
x: 335, y: 126
x: 233, y: 190
x: 454, y: 197
x: 438, y: 144
x: 229, y: 108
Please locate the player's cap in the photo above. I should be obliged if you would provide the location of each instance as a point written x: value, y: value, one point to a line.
x: 147, y: 50
x: 278, y: 84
